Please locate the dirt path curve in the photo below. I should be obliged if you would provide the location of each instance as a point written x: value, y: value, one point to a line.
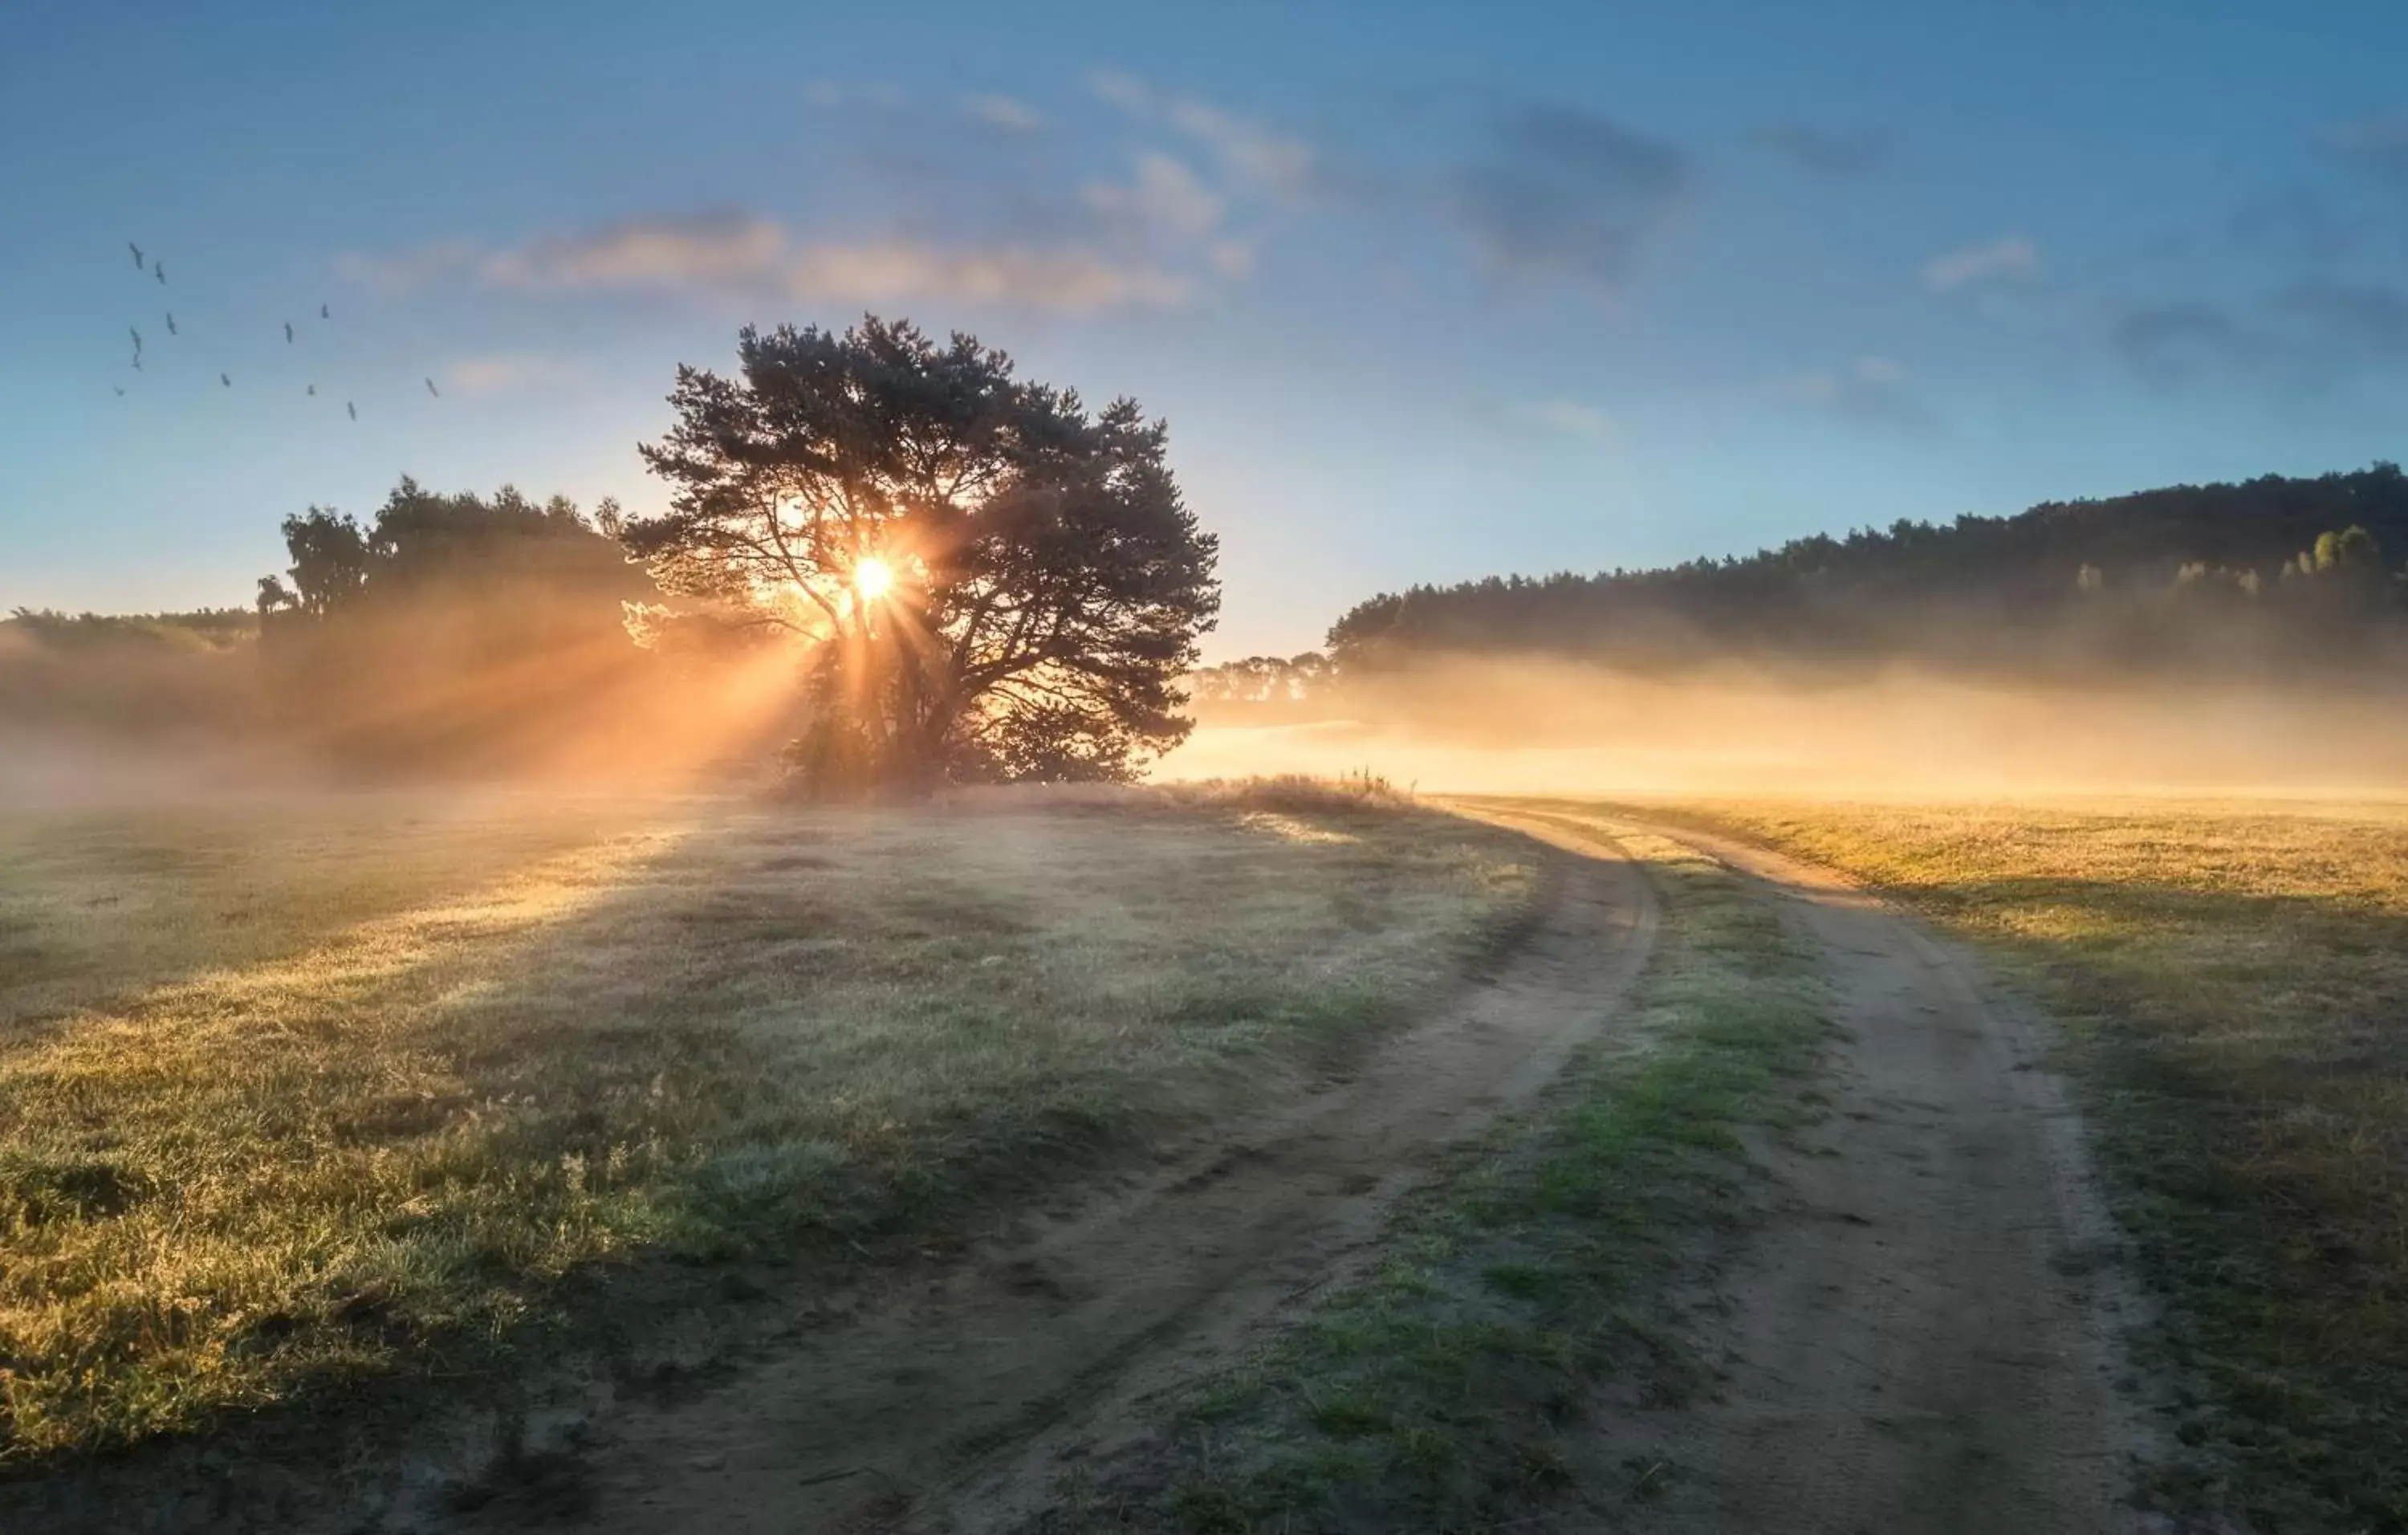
x: 939, y: 1407
x: 1931, y: 1339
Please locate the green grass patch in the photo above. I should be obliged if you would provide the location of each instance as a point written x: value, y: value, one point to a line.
x: 2231, y: 978
x: 1433, y: 1394
x: 299, y: 1096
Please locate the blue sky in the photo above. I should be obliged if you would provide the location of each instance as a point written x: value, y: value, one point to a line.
x: 1426, y: 292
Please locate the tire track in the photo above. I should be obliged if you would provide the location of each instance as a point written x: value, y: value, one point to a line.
x: 945, y: 1406
x: 1931, y: 1339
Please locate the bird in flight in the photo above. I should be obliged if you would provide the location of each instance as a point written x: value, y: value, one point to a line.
x: 223, y: 379
x: 171, y: 322
x: 313, y: 391
x: 326, y: 313
x: 430, y: 388
x: 138, y: 254
x: 352, y: 408
x: 160, y: 272
x: 138, y: 362
x: 120, y: 390
x: 137, y: 339
x: 288, y: 333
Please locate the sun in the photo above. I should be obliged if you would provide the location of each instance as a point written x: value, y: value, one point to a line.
x: 872, y: 577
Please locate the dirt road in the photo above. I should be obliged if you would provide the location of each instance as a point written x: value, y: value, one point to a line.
x: 1928, y: 1338
x: 941, y: 1405
x: 1925, y: 1337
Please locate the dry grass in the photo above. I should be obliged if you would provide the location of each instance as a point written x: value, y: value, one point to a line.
x: 2232, y: 977
x: 292, y: 1095
x: 1361, y: 791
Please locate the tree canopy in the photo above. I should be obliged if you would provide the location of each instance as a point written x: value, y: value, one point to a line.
x: 421, y: 543
x: 452, y: 630
x: 2216, y: 579
x: 994, y: 583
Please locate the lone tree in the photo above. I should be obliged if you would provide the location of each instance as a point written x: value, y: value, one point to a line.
x: 995, y: 584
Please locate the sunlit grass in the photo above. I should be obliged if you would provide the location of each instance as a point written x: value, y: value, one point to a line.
x: 99, y: 901
x: 347, y: 1089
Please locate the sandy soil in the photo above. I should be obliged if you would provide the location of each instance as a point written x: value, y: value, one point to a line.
x: 1930, y: 1335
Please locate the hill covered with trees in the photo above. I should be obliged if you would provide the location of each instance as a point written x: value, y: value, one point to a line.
x: 2262, y: 578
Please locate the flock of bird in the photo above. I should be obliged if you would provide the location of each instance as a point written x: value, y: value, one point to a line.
x: 158, y: 269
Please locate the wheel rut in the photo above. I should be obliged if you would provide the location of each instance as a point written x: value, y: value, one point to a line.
x: 943, y: 1402
x: 1932, y: 1336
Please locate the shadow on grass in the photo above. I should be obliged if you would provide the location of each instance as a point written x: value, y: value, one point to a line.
x: 517, y: 1129
x: 100, y: 908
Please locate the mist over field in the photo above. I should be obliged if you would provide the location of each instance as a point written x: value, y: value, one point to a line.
x: 130, y: 720
x: 125, y: 722
x: 1539, y: 725
x: 2241, y: 637
x: 1106, y: 770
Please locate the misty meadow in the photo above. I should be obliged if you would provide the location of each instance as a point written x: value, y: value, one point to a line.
x: 1203, y: 772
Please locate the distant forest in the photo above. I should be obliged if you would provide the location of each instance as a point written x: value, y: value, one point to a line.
x: 2289, y: 578
x: 202, y: 629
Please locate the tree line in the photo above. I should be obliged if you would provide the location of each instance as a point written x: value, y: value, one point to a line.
x: 2260, y: 578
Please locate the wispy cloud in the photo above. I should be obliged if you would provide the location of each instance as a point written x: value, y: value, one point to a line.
x: 1121, y: 90
x: 843, y: 96
x: 2010, y: 258
x: 896, y: 271
x: 1248, y: 154
x: 1231, y: 258
x: 2353, y: 321
x: 2377, y: 144
x: 2304, y: 336
x: 503, y: 373
x: 1870, y: 391
x: 715, y: 250
x: 1248, y: 151
x: 1187, y: 218
x: 1566, y: 418
x: 745, y: 254
x: 409, y: 270
x: 1565, y: 193
x: 2172, y: 343
x: 1826, y: 152
x: 1165, y: 199
x: 1008, y: 113
x: 2298, y: 223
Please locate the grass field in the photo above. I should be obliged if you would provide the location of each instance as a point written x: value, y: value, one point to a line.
x: 1437, y: 1392
x: 297, y: 1094
x: 2232, y: 978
